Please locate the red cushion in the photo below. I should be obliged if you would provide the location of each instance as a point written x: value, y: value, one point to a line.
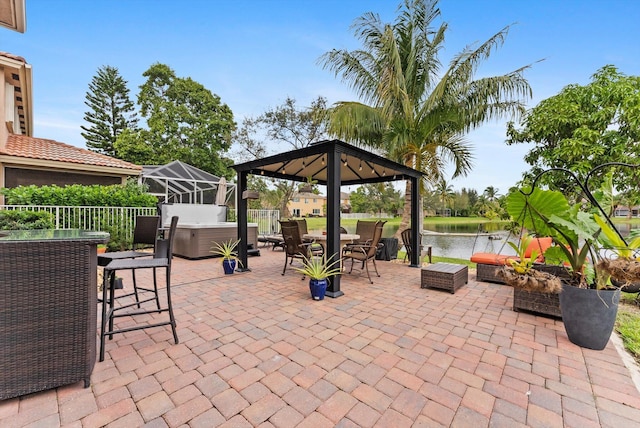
x: 539, y: 244
x: 491, y: 258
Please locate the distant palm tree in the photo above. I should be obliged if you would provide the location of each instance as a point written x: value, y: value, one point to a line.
x: 445, y: 193
x: 411, y: 110
x: 491, y: 193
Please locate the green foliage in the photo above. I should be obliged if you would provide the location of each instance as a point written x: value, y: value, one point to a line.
x: 185, y: 121
x: 583, y: 127
x: 129, y: 195
x: 111, y: 111
x: 318, y: 268
x: 523, y: 264
x: 227, y: 250
x: 23, y: 220
x: 119, y: 239
x: 575, y: 232
x: 286, y: 125
x: 628, y: 325
x: 414, y: 110
x: 376, y: 198
x: 612, y: 240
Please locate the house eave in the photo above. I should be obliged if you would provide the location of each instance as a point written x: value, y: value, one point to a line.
x: 30, y: 163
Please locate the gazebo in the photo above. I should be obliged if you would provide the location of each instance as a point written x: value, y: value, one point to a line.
x: 332, y: 163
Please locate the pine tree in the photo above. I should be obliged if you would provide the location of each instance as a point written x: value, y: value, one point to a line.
x: 112, y: 111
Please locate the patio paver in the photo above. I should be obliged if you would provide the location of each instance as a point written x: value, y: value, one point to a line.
x: 256, y: 350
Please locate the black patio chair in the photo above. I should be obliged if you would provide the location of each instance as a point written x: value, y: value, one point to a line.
x: 161, y: 259
x: 145, y: 234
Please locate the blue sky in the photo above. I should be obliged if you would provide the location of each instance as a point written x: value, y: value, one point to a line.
x: 254, y: 54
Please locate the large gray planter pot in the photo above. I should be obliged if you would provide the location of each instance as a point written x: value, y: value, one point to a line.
x: 589, y: 315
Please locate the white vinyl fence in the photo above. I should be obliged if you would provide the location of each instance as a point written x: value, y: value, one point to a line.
x: 123, y: 218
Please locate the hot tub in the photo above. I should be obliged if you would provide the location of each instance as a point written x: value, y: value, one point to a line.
x: 194, y: 241
x: 199, y: 226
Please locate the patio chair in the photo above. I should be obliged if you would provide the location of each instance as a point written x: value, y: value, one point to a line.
x: 145, y: 234
x: 294, y: 247
x: 365, y: 251
x: 406, y: 241
x: 161, y: 259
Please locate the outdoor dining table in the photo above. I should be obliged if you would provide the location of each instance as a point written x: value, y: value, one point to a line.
x: 345, y: 238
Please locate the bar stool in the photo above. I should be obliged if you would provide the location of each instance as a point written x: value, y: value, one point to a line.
x: 145, y: 234
x: 161, y: 259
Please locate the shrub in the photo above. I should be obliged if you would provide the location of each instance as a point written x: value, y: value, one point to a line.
x: 22, y: 220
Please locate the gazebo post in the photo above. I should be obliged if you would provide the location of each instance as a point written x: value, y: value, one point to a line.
x: 333, y: 216
x: 415, y: 224
x: 242, y: 219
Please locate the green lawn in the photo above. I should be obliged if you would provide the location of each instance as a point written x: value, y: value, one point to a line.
x: 319, y: 223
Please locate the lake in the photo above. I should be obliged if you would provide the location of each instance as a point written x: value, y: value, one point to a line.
x: 460, y: 241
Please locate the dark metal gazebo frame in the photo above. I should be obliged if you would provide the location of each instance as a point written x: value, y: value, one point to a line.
x: 333, y: 164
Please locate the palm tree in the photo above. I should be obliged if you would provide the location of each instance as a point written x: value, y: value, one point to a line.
x: 410, y: 110
x: 491, y: 193
x: 445, y: 193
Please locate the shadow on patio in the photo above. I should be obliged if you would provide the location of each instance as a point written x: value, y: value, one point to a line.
x: 255, y: 349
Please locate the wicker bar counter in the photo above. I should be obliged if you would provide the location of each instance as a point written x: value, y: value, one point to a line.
x: 48, y: 295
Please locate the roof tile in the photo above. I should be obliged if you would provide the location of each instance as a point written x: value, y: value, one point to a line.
x: 43, y: 149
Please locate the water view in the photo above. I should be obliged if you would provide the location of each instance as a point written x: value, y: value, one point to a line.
x: 460, y: 241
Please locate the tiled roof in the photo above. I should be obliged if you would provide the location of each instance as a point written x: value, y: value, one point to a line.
x: 43, y: 149
x: 12, y: 56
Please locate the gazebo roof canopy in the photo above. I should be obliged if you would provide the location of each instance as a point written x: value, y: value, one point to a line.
x: 357, y: 166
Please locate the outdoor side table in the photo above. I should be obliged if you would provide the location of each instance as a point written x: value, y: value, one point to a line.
x: 445, y: 276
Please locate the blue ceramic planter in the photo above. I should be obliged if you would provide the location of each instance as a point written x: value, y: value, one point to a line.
x: 229, y: 265
x: 318, y: 288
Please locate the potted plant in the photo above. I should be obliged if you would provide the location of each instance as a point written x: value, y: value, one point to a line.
x: 319, y: 271
x: 520, y: 272
x: 227, y: 250
x: 588, y: 308
x: 620, y: 258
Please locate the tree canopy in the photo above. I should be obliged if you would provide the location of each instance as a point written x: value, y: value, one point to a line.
x: 185, y: 122
x: 411, y: 109
x: 111, y: 111
x: 285, y: 124
x: 582, y: 127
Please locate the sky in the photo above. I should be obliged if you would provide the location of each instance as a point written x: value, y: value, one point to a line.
x: 254, y: 54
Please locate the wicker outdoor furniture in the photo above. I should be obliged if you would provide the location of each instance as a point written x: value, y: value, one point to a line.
x: 48, y: 291
x: 539, y: 302
x: 488, y: 264
x: 445, y: 276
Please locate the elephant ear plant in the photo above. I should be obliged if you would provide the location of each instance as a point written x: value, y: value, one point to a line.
x: 574, y: 231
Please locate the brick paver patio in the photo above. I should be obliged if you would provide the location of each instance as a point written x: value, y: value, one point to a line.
x: 256, y: 350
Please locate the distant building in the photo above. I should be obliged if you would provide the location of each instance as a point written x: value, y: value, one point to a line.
x: 307, y: 205
x: 345, y: 202
x: 628, y: 212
